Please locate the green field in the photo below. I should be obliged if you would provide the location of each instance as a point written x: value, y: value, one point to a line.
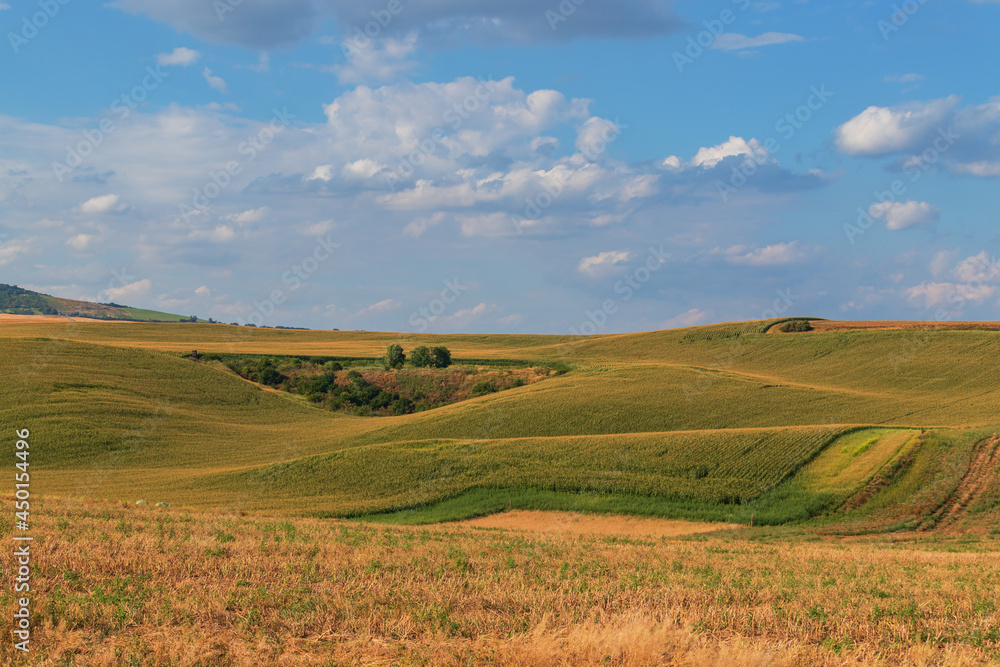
x: 722, y: 422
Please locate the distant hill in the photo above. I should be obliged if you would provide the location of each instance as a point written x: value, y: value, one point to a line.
x: 19, y: 301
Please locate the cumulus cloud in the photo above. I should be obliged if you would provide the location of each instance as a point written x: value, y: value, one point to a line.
x: 778, y: 254
x: 135, y: 290
x: 10, y: 251
x: 249, y: 217
x: 690, y: 318
x: 732, y: 41
x: 978, y: 268
x: 900, y: 215
x: 179, y: 56
x: 382, y: 61
x: 215, y: 82
x: 382, y: 306
x: 735, y: 146
x: 80, y: 241
x: 102, y: 204
x: 885, y: 130
x: 975, y: 279
x: 602, y: 263
x: 933, y: 294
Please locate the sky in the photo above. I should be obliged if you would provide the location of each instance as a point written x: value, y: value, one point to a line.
x: 508, y: 166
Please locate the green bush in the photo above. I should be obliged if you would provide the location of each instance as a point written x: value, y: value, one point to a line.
x: 442, y: 357
x: 394, y: 357
x: 482, y: 388
x: 421, y: 357
x: 796, y: 326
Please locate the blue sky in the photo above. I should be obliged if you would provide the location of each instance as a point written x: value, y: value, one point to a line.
x: 504, y: 165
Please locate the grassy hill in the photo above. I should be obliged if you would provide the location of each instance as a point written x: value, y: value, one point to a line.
x: 18, y: 301
x: 722, y: 422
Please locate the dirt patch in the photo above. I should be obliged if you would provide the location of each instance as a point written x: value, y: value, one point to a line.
x: 820, y: 326
x: 8, y: 318
x: 981, y: 472
x: 584, y: 524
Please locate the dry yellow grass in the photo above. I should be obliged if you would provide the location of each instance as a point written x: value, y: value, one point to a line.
x: 117, y: 585
x: 575, y: 523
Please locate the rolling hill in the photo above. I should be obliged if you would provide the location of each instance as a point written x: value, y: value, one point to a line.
x: 875, y: 428
x: 18, y: 301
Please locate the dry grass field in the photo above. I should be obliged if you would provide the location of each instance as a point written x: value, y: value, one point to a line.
x: 133, y: 585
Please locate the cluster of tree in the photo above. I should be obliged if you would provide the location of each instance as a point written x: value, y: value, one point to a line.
x: 796, y: 326
x: 264, y: 326
x: 261, y: 370
x: 19, y: 301
x: 422, y: 357
x: 363, y: 397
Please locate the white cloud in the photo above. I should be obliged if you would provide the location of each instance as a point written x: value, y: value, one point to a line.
x: 249, y: 217
x: 179, y: 56
x: 102, y: 204
x: 885, y: 130
x: 216, y: 82
x: 690, y: 318
x: 510, y: 320
x: 712, y: 155
x: 384, y: 61
x: 602, y: 263
x: 218, y: 234
x: 415, y: 228
x: 944, y: 294
x: 9, y: 252
x: 135, y: 290
x: 383, y: 306
x: 900, y: 215
x: 978, y: 268
x: 595, y: 135
x: 732, y: 41
x: 203, y: 291
x: 4, y: 5
x: 942, y: 260
x: 778, y: 254
x: 80, y: 241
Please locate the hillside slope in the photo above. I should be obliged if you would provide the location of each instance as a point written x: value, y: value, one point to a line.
x: 19, y: 301
x: 688, y: 419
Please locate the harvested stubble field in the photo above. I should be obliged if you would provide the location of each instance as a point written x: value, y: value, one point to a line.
x: 861, y: 458
x: 150, y: 586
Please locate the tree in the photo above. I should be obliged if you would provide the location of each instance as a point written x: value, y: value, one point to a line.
x: 394, y: 357
x: 442, y: 357
x: 421, y: 357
